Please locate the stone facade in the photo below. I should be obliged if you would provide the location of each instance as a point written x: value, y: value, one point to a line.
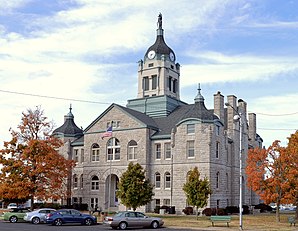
x: 167, y: 136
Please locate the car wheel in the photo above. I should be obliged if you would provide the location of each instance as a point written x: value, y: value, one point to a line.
x: 123, y: 225
x: 13, y: 219
x: 35, y: 220
x: 154, y: 224
x: 88, y: 221
x: 58, y: 222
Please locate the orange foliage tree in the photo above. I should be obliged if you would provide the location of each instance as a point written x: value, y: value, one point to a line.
x: 272, y: 173
x: 32, y: 168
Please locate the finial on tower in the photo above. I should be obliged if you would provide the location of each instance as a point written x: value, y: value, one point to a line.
x: 159, y: 21
x: 70, y: 108
x: 199, y: 97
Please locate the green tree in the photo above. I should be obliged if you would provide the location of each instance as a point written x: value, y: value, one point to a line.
x: 197, y: 190
x: 32, y: 168
x: 134, y: 190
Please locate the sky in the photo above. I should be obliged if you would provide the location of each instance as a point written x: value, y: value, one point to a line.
x: 54, y: 53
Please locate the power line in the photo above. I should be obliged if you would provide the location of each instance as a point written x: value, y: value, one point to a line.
x: 51, y: 97
x: 278, y: 129
x: 287, y: 114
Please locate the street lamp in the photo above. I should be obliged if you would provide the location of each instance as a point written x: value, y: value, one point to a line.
x: 238, y: 118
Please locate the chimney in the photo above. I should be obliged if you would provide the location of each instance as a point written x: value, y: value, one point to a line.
x: 252, y: 129
x: 232, y: 100
x: 219, y: 105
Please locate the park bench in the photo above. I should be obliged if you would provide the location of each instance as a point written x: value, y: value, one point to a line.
x: 226, y: 219
x: 292, y: 220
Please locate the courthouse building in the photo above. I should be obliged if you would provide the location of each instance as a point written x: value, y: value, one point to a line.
x: 167, y: 136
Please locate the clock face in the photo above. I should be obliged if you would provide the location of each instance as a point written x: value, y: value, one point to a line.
x: 151, y: 54
x: 172, y: 56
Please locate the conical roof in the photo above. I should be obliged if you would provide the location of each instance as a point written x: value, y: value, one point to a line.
x: 69, y: 128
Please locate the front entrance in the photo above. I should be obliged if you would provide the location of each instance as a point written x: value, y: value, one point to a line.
x: 111, y: 187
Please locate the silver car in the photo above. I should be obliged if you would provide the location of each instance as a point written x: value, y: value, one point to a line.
x: 130, y: 219
x: 38, y: 216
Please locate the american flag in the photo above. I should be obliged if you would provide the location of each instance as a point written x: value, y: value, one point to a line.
x: 108, y: 133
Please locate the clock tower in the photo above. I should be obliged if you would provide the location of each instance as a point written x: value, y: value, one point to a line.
x: 159, y: 73
x: 158, y: 79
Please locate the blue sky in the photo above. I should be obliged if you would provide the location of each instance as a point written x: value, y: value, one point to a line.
x: 88, y: 51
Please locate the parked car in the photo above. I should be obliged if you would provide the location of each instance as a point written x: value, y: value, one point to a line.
x: 15, y: 215
x: 12, y: 206
x: 63, y: 216
x: 130, y: 219
x: 38, y: 216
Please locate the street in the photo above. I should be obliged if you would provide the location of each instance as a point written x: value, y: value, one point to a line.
x: 7, y: 226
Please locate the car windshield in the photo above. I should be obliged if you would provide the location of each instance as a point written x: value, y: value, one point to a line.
x: 119, y: 214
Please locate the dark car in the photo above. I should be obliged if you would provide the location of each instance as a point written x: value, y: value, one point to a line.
x: 64, y: 216
x: 130, y: 219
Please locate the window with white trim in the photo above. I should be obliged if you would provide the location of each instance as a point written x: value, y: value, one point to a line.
x: 167, y: 180
x: 158, y: 151
x: 75, y: 181
x: 132, y: 150
x: 95, y: 183
x: 190, y: 148
x: 190, y: 128
x: 157, y: 180
x: 113, y: 149
x: 95, y: 152
x: 167, y: 150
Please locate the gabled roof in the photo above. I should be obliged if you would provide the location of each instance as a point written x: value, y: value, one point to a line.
x: 141, y: 117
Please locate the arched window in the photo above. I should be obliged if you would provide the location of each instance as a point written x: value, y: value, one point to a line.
x: 113, y: 149
x: 217, y: 180
x: 157, y: 180
x: 132, y: 150
x: 167, y: 180
x: 94, y: 183
x: 82, y: 181
x: 75, y: 181
x: 95, y: 152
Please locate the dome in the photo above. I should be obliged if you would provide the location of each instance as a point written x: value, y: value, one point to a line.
x: 160, y: 47
x: 69, y: 128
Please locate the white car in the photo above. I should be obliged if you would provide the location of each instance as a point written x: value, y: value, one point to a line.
x: 12, y: 206
x: 38, y: 216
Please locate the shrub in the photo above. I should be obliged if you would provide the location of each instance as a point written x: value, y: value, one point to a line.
x: 166, y: 208
x: 232, y: 209
x: 207, y: 212
x: 221, y: 212
x: 188, y: 210
x: 263, y: 207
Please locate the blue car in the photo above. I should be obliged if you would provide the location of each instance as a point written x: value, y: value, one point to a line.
x: 64, y: 216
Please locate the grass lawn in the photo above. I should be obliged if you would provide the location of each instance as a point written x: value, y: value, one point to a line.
x: 263, y: 221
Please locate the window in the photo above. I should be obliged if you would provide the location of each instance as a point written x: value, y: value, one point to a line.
x: 170, y: 83
x: 227, y: 176
x: 217, y: 149
x: 113, y: 149
x: 190, y: 146
x: 175, y: 86
x: 75, y: 155
x: 217, y: 203
x: 157, y: 202
x: 166, y: 202
x: 157, y: 180
x: 154, y: 82
x: 94, y: 183
x: 113, y: 124
x: 132, y: 150
x: 75, y: 181
x: 95, y: 152
x: 167, y: 180
x: 82, y: 155
x: 190, y: 129
x: 146, y: 83
x: 158, y: 151
x: 217, y: 129
x: 168, y: 151
x: 82, y: 181
x: 94, y: 203
x: 150, y: 65
x: 217, y: 180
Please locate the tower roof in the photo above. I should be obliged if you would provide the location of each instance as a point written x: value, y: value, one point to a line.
x: 69, y: 128
x: 160, y: 47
